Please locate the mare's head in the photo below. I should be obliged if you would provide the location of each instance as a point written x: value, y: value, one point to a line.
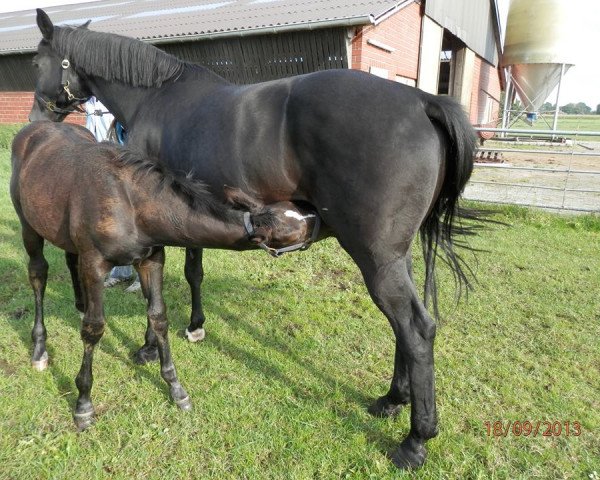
x: 59, y: 89
x: 280, y: 224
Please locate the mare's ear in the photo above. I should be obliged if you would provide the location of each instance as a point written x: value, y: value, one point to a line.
x: 86, y: 24
x: 45, y: 24
x: 237, y: 198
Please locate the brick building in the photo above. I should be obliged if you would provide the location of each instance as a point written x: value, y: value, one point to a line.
x: 449, y: 48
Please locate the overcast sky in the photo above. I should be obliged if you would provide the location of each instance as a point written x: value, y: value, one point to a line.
x: 581, y: 83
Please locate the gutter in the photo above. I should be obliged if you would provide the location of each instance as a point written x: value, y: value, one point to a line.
x: 391, y: 11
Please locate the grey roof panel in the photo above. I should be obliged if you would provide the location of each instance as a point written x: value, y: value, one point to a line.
x: 161, y: 20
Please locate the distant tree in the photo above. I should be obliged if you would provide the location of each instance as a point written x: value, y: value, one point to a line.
x: 576, y: 108
x: 598, y: 109
x: 547, y: 107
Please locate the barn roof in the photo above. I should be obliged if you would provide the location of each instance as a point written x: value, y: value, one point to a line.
x: 173, y: 20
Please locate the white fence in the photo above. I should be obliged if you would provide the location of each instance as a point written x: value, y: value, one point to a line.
x: 571, y: 183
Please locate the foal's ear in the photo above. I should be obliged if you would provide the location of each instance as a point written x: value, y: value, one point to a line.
x: 86, y: 24
x: 45, y: 24
x: 236, y: 197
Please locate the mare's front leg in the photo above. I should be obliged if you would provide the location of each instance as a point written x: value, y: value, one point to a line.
x: 38, y: 276
x: 72, y: 260
x: 150, y: 271
x: 194, y: 274
x: 92, y: 268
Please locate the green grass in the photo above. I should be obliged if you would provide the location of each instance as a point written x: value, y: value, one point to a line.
x: 7, y: 132
x: 580, y: 123
x: 295, y: 351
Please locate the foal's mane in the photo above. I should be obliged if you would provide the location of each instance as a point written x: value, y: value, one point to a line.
x: 194, y: 192
x: 116, y: 58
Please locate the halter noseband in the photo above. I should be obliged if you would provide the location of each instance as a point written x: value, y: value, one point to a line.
x: 65, y: 84
x: 277, y: 252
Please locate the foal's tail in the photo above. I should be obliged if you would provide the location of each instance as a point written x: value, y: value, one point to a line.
x: 439, y: 228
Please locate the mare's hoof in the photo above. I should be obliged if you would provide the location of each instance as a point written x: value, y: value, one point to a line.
x: 410, y: 454
x: 83, y: 420
x: 195, y: 336
x: 184, y: 404
x: 41, y: 364
x: 383, y: 407
x: 145, y: 355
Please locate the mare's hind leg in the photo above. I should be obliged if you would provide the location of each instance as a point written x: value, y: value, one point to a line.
x: 386, y: 276
x: 151, y: 279
x: 398, y: 395
x: 72, y: 260
x: 92, y: 269
x: 38, y: 277
x: 194, y: 274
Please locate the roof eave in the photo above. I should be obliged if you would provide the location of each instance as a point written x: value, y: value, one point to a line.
x: 332, y: 23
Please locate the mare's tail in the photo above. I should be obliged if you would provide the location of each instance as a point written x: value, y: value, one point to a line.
x: 439, y: 228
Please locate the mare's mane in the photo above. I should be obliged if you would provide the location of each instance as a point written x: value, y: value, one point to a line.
x: 116, y: 58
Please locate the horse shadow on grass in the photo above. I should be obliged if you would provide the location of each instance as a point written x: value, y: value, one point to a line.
x: 267, y: 369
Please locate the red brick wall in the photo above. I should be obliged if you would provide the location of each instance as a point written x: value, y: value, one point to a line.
x: 402, y: 31
x: 15, y: 108
x: 486, y: 84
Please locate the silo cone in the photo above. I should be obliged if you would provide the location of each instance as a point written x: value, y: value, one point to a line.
x: 540, y: 39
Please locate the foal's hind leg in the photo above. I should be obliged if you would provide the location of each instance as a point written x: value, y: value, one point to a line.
x: 72, y: 260
x: 92, y: 270
x: 151, y: 279
x: 38, y: 277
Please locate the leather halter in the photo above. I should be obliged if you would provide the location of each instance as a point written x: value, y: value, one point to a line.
x: 65, y: 84
x: 277, y: 252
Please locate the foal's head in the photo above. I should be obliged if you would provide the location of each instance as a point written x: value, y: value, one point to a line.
x: 279, y: 224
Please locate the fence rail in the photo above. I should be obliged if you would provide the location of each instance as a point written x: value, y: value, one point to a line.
x: 541, y: 187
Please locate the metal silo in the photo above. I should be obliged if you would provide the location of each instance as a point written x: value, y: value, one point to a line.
x: 540, y: 46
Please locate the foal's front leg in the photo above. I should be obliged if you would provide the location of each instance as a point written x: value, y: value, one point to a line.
x: 150, y: 271
x: 194, y: 274
x: 92, y: 268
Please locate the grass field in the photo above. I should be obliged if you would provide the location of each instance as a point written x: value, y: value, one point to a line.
x: 295, y: 351
x: 578, y: 123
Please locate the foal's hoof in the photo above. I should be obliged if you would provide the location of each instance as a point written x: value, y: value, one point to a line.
x: 410, y: 454
x: 83, y: 420
x: 195, y: 336
x: 383, y: 407
x: 41, y: 364
x: 145, y: 355
x: 184, y: 404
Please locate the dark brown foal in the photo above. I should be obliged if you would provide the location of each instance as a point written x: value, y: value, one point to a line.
x: 107, y: 206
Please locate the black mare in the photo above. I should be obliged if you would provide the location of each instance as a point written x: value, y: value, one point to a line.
x: 379, y: 161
